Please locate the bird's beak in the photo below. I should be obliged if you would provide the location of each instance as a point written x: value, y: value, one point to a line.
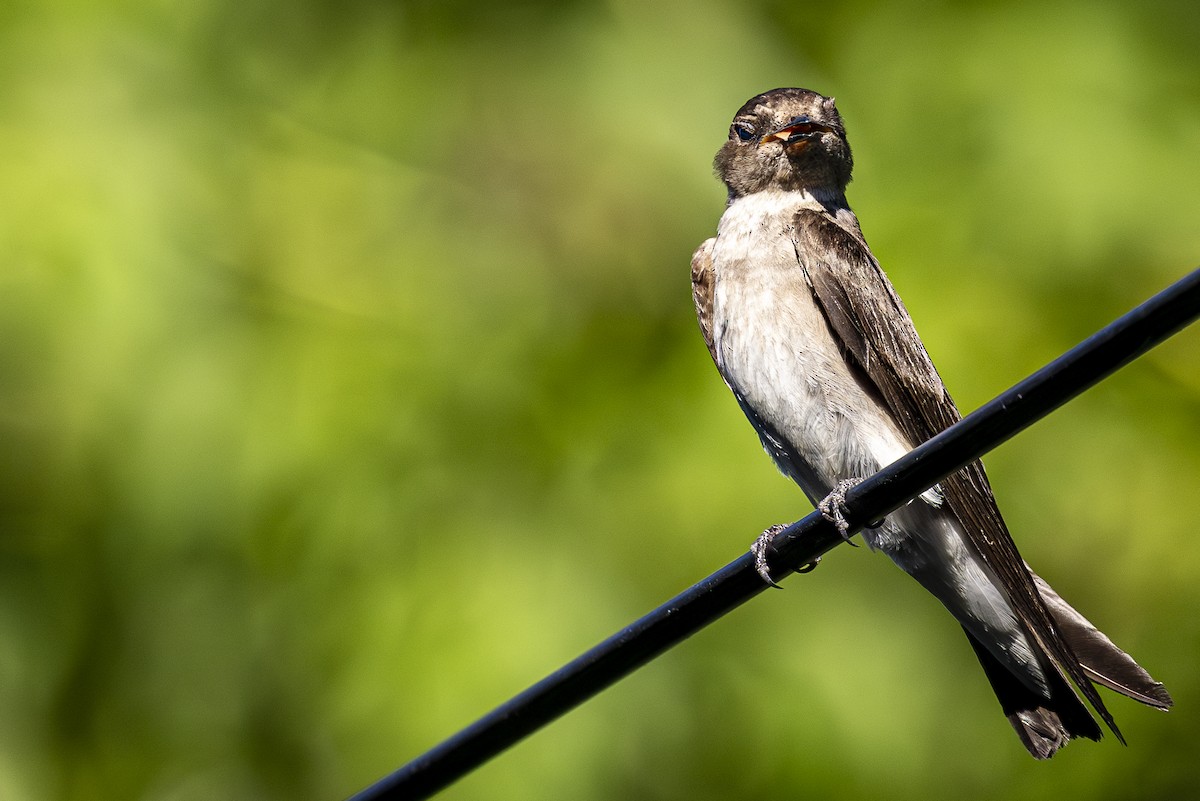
x: 797, y: 132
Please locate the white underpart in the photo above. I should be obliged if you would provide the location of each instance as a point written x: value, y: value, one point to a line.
x: 775, y: 349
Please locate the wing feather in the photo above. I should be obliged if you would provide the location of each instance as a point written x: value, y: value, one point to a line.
x: 876, y: 330
x: 702, y: 292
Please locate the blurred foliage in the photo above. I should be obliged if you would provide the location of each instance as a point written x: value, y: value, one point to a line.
x: 349, y: 384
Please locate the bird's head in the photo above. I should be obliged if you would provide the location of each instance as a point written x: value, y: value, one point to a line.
x: 786, y: 139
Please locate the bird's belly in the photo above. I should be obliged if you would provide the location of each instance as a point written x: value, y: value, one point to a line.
x: 822, y: 425
x: 817, y: 419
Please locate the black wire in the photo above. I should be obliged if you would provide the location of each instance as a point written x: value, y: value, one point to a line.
x: 800, y: 543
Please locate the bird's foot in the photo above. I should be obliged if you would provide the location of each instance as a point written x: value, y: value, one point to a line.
x: 833, y: 506
x: 759, y: 549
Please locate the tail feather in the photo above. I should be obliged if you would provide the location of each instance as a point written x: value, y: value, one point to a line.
x: 1104, y: 662
x: 1044, y: 724
x: 1047, y: 723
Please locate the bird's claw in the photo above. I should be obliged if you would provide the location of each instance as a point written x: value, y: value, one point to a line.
x: 833, y: 506
x: 759, y: 549
x: 809, y: 567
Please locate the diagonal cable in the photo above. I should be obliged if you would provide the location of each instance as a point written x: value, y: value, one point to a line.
x: 1094, y: 359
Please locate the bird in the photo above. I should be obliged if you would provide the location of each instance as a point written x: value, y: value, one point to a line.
x: 824, y: 360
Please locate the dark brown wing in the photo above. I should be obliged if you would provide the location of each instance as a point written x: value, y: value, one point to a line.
x: 702, y: 291
x: 875, y: 329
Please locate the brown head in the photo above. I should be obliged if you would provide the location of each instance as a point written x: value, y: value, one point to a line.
x: 786, y: 139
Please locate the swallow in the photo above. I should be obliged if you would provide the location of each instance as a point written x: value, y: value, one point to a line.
x: 823, y: 359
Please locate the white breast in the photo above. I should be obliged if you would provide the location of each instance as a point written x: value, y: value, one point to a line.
x: 776, y: 350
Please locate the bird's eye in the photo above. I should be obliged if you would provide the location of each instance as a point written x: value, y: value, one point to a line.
x: 744, y: 131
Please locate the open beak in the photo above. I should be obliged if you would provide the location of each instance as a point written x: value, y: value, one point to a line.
x: 797, y: 132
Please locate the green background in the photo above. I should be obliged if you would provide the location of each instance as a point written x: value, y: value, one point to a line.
x: 349, y: 384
